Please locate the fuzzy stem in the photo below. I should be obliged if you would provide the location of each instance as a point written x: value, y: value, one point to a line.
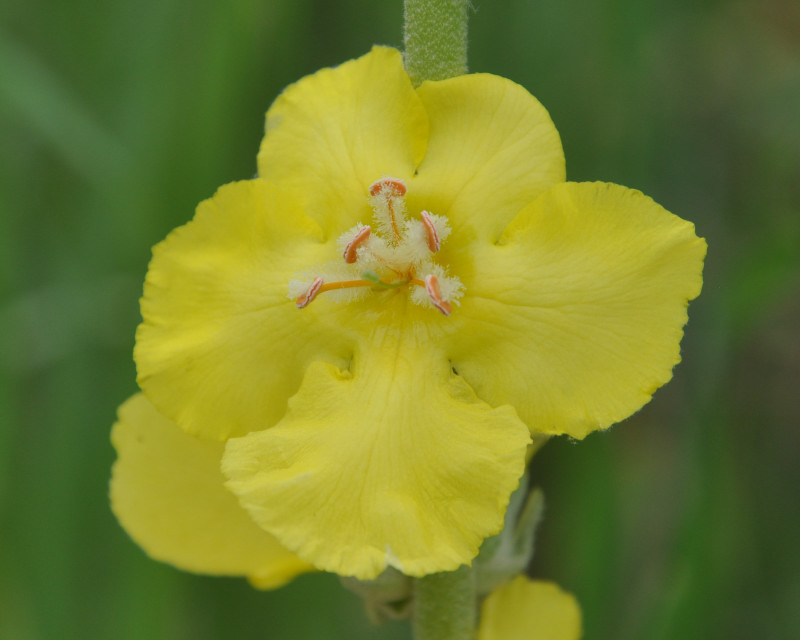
x: 435, y: 39
x: 445, y: 606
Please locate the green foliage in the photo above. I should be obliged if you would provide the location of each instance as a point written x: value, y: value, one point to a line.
x: 116, y: 119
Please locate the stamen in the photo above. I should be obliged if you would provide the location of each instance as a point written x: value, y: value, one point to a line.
x: 434, y: 243
x: 310, y: 294
x: 319, y: 286
x: 387, y: 194
x: 350, y: 251
x: 432, y: 287
x: 391, y: 256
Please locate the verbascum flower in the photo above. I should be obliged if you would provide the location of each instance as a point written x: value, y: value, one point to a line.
x: 367, y: 335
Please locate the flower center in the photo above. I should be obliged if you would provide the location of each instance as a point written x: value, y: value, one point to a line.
x: 398, y: 253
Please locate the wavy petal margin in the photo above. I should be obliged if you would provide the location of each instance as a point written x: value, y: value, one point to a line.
x: 392, y: 463
x: 575, y: 316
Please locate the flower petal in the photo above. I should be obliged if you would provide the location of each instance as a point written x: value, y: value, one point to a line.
x: 392, y: 463
x: 333, y: 133
x: 575, y: 316
x: 526, y: 609
x: 167, y: 492
x: 492, y: 150
x: 221, y: 348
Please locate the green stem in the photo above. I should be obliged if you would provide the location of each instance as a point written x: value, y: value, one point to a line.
x: 435, y: 39
x: 445, y: 606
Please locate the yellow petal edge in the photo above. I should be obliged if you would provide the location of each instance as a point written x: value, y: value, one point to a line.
x: 393, y: 462
x: 525, y: 609
x: 493, y: 149
x: 333, y: 133
x: 167, y: 493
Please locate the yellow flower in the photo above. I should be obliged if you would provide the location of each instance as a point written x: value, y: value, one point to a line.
x: 525, y: 609
x: 377, y: 323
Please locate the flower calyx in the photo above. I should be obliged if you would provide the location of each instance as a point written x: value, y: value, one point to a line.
x: 509, y: 553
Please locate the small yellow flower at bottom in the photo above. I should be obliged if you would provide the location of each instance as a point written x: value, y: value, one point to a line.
x: 167, y: 493
x: 526, y: 609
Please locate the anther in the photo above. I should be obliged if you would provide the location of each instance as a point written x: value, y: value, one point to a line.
x: 432, y: 288
x: 350, y: 253
x: 432, y: 236
x: 310, y: 294
x: 396, y: 186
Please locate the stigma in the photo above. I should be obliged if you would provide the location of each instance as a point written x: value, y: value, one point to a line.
x: 397, y: 252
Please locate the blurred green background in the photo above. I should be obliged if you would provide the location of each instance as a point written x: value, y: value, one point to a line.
x: 116, y: 119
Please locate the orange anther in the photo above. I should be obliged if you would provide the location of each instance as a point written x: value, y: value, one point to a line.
x: 434, y: 243
x: 350, y: 251
x: 432, y: 287
x: 397, y: 187
x: 308, y: 296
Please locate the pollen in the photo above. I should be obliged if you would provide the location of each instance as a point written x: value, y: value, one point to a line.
x: 431, y: 234
x: 398, y: 254
x: 350, y: 253
x: 435, y: 294
x: 311, y: 293
x: 393, y: 186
